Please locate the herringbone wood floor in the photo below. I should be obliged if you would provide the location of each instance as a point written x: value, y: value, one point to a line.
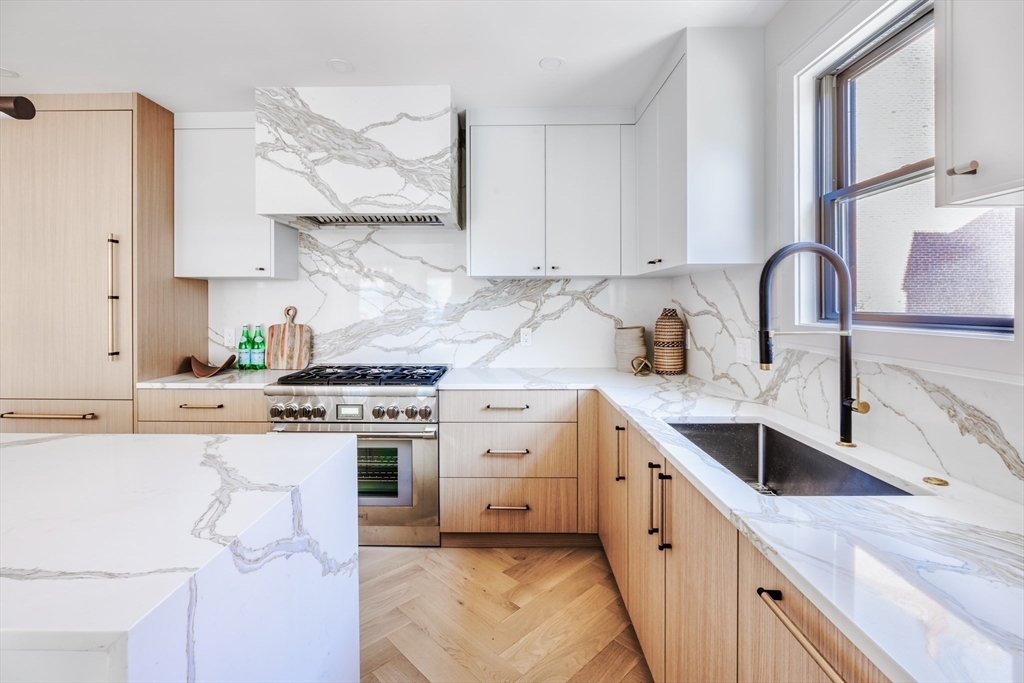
x: 494, y: 614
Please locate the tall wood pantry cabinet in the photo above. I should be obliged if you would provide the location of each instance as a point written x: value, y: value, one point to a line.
x: 88, y: 300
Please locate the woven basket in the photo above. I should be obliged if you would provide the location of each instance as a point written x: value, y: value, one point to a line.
x: 669, y: 333
x: 629, y: 343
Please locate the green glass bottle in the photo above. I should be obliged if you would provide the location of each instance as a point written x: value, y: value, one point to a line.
x: 259, y: 350
x: 245, y: 350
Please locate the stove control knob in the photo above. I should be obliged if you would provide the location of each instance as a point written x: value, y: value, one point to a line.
x: 291, y: 411
x: 276, y: 411
x: 425, y: 412
x: 319, y: 412
x: 393, y: 412
x: 306, y: 411
x: 378, y: 412
x: 411, y: 412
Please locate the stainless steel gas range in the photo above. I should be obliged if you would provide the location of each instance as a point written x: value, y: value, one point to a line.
x: 393, y: 411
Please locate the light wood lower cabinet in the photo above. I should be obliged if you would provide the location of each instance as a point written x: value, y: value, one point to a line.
x: 530, y: 505
x: 612, y: 500
x: 768, y: 652
x: 700, y: 586
x: 546, y: 449
x: 646, y: 571
x: 86, y: 417
x: 541, y: 405
x: 204, y: 427
x: 201, y: 405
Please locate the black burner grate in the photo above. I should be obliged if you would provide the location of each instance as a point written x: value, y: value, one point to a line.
x: 367, y: 375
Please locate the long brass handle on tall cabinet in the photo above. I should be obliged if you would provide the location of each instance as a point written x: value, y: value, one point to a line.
x: 662, y: 544
x: 769, y: 597
x: 618, y: 453
x: 112, y: 352
x: 651, y: 529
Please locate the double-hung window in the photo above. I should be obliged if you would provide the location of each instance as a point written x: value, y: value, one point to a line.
x: 913, y: 265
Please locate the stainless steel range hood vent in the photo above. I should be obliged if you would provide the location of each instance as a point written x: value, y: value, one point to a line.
x: 356, y: 156
x: 421, y: 219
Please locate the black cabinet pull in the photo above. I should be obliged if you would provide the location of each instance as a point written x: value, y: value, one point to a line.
x: 618, y: 453
x: 662, y: 545
x: 651, y: 529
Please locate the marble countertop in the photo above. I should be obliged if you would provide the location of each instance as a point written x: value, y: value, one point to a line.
x: 930, y: 587
x: 151, y: 510
x: 229, y: 379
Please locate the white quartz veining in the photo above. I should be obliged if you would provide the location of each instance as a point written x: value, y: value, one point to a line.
x: 930, y: 587
x: 177, y: 557
x: 228, y: 379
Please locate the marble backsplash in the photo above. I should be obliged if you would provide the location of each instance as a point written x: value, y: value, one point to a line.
x: 388, y: 295
x: 968, y: 427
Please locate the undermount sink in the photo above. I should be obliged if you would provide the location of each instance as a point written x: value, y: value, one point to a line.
x: 787, y: 467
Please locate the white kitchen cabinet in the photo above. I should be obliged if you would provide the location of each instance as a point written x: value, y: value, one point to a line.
x: 979, y: 108
x: 506, y: 190
x: 700, y: 155
x: 582, y: 200
x: 217, y: 232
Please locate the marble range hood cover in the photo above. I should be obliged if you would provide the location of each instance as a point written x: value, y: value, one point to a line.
x: 349, y: 156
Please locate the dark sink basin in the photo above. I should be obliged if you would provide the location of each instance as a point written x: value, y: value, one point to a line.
x: 787, y: 468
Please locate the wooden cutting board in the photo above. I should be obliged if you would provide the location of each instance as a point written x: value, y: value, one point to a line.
x: 288, y: 344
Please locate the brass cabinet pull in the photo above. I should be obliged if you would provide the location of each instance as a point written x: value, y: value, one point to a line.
x: 651, y: 529
x: 48, y: 416
x: 618, y: 453
x: 769, y: 597
x: 662, y: 545
x: 491, y: 451
x: 970, y: 168
x: 521, y: 508
x: 186, y: 406
x: 112, y: 352
x: 493, y: 407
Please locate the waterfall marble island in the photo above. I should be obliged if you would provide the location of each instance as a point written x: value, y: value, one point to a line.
x: 178, y: 557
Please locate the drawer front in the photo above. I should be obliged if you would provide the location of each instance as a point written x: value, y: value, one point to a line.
x: 105, y: 417
x: 551, y: 502
x: 201, y: 405
x: 204, y: 427
x: 508, y: 406
x: 526, y: 449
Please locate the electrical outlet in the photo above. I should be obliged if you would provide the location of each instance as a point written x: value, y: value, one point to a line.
x: 526, y: 337
x: 229, y: 337
x: 689, y: 339
x: 743, y: 351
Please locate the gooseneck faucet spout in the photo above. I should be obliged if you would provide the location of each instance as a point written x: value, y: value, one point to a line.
x: 847, y: 404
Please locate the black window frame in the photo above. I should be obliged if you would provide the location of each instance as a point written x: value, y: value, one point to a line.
x: 836, y: 173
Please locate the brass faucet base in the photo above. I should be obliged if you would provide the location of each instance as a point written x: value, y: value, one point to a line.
x: 846, y: 445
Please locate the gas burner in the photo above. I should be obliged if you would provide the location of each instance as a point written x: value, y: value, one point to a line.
x: 366, y: 375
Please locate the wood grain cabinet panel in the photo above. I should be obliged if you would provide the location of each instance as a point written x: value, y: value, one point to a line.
x: 108, y: 417
x: 700, y: 586
x: 612, y: 500
x: 201, y: 405
x: 551, y: 502
x: 646, y: 563
x: 204, y: 427
x: 508, y: 406
x: 586, y: 459
x: 545, y: 449
x: 768, y: 652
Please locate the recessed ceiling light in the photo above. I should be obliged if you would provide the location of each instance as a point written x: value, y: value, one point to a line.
x: 551, y: 62
x: 7, y: 73
x: 341, y: 66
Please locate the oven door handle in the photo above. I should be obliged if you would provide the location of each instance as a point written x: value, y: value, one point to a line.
x: 382, y: 436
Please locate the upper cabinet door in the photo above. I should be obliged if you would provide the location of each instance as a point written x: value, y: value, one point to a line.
x: 647, y: 189
x: 67, y: 186
x: 506, y: 205
x: 217, y: 233
x: 672, y: 184
x: 979, y: 91
x: 583, y: 195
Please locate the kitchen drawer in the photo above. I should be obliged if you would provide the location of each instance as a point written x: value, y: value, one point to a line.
x: 202, y: 405
x: 551, y: 502
x: 204, y: 427
x: 108, y: 417
x: 508, y: 406
x: 526, y: 449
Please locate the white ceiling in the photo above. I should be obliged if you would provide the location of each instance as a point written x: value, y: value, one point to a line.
x: 195, y: 55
